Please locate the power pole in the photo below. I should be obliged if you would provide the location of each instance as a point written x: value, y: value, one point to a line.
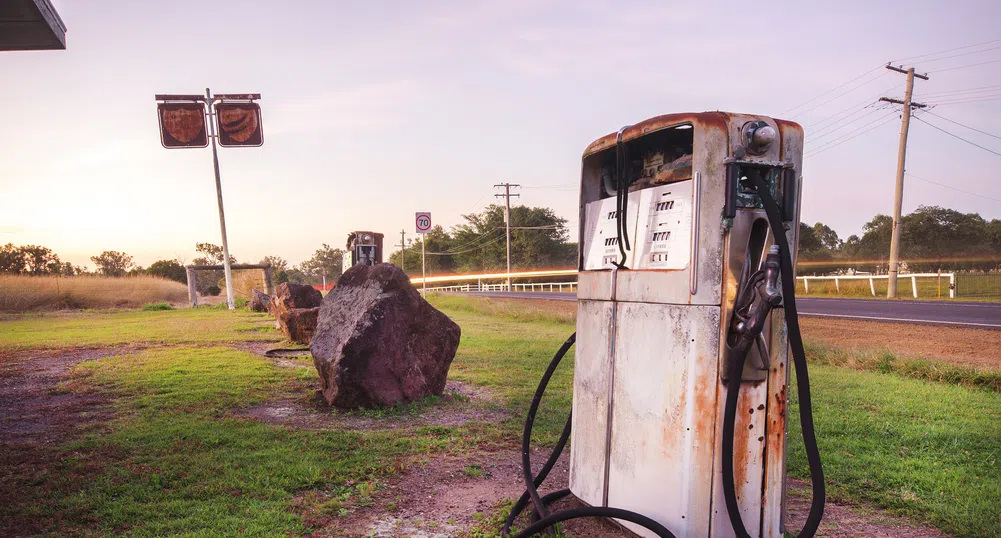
x: 507, y: 223
x: 403, y: 251
x: 227, y: 270
x: 891, y: 288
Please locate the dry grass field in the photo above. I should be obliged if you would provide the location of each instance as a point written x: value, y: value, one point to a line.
x: 34, y: 293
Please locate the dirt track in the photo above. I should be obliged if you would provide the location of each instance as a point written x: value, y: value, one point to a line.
x: 967, y: 347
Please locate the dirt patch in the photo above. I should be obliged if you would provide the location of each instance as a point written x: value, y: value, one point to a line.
x: 956, y: 345
x: 450, y: 495
x: 38, y: 402
x: 841, y: 521
x: 460, y: 404
x: 41, y: 407
x: 447, y: 496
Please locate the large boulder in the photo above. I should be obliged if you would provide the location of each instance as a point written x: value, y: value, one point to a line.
x: 288, y: 296
x: 299, y: 324
x: 378, y: 342
x: 258, y: 301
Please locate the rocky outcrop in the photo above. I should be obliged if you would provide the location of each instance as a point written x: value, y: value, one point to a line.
x: 378, y: 342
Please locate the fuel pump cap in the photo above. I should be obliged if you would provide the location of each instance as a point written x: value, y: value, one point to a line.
x: 759, y: 136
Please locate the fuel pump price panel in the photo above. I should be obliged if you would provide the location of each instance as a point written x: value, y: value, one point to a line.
x: 423, y: 222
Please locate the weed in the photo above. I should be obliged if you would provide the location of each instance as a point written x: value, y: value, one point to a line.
x: 154, y: 307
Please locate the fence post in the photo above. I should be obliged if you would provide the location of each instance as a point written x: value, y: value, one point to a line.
x: 192, y: 292
x: 914, y: 286
x: 872, y: 286
x: 952, y: 285
x: 806, y: 284
x: 837, y: 286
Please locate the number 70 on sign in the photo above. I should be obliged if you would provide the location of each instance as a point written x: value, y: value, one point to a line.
x: 423, y: 222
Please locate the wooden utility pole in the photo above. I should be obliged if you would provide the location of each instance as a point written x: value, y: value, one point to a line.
x: 507, y: 223
x: 891, y: 288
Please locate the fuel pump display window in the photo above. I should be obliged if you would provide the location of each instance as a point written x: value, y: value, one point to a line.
x: 659, y: 158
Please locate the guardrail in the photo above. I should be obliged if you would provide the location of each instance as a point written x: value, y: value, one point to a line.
x: 873, y: 278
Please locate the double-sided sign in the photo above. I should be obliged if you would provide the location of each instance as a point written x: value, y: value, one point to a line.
x: 239, y: 124
x: 423, y: 222
x: 182, y: 125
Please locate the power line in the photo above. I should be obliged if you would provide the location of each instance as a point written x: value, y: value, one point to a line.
x: 951, y: 187
x: 960, y: 101
x: 979, y: 89
x: 962, y: 54
x: 836, y: 127
x: 857, y: 132
x: 478, y: 247
x: 784, y: 112
x: 967, y: 126
x: 838, y: 96
x: 965, y: 66
x: 560, y: 186
x: 957, y: 136
x: 947, y: 50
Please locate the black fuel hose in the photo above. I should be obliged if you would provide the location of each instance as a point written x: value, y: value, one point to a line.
x: 541, y: 519
x: 802, y: 387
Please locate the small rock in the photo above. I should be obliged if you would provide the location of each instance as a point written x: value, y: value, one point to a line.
x: 258, y: 301
x: 299, y: 324
x: 288, y: 296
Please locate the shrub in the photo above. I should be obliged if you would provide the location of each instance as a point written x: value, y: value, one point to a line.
x: 152, y: 307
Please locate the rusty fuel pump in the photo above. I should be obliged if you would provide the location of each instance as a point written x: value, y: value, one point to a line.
x: 363, y: 248
x: 685, y: 327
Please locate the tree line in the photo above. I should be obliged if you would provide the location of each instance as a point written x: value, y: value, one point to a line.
x: 931, y: 238
x: 539, y: 240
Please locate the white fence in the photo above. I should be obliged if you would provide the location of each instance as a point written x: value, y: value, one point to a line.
x: 873, y: 278
x: 528, y: 287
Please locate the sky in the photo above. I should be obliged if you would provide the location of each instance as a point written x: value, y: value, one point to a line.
x: 374, y: 110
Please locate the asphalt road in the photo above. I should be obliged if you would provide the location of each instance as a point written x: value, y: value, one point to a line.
x: 960, y: 314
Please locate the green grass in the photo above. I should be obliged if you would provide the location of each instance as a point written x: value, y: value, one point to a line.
x: 184, y: 326
x: 176, y: 459
x: 923, y: 450
x: 154, y: 307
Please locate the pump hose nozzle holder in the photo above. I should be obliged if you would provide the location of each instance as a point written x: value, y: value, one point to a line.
x: 757, y: 295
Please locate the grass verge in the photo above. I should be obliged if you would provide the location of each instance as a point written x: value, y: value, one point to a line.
x: 916, y: 368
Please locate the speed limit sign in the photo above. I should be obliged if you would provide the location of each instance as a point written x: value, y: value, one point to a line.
x: 423, y: 222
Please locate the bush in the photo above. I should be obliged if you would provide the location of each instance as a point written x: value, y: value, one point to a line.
x: 152, y: 307
x: 169, y: 269
x: 213, y: 291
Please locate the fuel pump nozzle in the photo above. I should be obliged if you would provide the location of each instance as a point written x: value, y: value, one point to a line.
x: 757, y: 296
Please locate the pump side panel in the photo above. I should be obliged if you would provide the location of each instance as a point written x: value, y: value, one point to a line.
x: 663, y: 411
x: 590, y: 400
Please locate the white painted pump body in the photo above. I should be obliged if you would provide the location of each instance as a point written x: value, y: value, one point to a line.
x: 648, y: 396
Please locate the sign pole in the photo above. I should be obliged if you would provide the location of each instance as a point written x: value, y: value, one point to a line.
x: 424, y: 275
x: 218, y: 190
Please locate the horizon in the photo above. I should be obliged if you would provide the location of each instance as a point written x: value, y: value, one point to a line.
x: 371, y: 115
